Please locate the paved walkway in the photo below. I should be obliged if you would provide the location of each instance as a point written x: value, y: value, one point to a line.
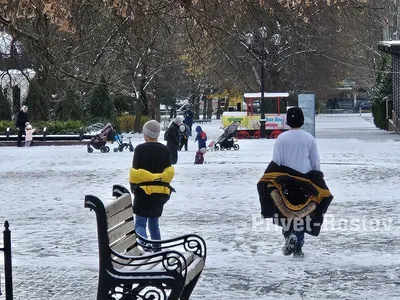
x: 55, y: 242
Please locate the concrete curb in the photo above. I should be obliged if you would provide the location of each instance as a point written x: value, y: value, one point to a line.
x: 45, y: 143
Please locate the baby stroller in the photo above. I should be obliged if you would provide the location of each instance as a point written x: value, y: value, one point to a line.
x: 122, y: 145
x: 227, y: 139
x: 99, y: 141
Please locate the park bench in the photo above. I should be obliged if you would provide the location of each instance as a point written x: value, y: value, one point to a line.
x: 201, y: 121
x: 126, y: 271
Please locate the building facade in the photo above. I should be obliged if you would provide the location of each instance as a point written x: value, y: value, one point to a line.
x: 393, y: 48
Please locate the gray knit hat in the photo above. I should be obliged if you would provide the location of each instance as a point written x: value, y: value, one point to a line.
x: 152, y: 129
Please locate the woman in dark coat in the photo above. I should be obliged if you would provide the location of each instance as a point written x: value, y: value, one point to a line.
x: 22, y: 119
x: 172, y: 138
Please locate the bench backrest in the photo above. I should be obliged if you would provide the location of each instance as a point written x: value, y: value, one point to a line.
x: 115, y: 228
x: 121, y: 228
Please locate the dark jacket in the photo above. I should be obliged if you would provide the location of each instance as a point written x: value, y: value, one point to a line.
x: 173, y: 137
x: 188, y: 118
x: 286, y: 193
x: 201, y: 137
x: 149, y: 178
x: 22, y: 118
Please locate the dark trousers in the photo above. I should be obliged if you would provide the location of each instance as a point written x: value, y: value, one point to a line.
x: 173, y: 154
x: 21, y: 132
x: 298, y: 234
x: 184, y: 142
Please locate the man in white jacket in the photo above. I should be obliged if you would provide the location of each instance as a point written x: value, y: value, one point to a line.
x: 296, y: 149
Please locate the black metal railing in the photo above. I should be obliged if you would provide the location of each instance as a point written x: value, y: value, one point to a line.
x: 7, y: 261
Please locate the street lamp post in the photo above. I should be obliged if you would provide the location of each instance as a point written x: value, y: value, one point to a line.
x: 262, y: 106
x: 261, y: 52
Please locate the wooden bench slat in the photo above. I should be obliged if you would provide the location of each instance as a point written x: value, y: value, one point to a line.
x: 121, y: 217
x: 118, y: 204
x: 194, y: 268
x: 120, y: 231
x: 125, y: 245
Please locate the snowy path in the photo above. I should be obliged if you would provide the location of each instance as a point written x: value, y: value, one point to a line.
x: 55, y: 243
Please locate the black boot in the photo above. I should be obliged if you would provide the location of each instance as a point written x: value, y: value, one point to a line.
x: 290, y: 242
x: 298, y: 252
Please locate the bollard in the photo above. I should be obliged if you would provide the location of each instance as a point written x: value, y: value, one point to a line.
x: 44, y: 133
x: 7, y: 261
x: 8, y: 137
x: 81, y: 134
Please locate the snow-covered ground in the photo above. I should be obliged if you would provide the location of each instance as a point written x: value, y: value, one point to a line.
x: 356, y: 256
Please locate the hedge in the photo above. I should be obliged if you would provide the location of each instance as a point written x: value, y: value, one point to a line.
x: 52, y: 127
x: 124, y: 124
x: 127, y: 123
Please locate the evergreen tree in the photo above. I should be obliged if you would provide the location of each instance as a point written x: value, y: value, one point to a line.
x: 69, y: 108
x: 123, y: 104
x: 100, y: 104
x: 382, y: 92
x: 37, y: 103
x: 5, y: 107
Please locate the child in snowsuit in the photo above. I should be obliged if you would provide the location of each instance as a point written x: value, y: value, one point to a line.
x: 199, y: 158
x: 28, y: 134
x: 201, y: 137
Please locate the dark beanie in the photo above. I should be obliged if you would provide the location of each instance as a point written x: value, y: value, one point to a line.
x: 295, y: 117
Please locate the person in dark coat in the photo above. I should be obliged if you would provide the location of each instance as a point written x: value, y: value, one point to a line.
x: 149, y: 178
x: 22, y: 119
x: 188, y: 120
x: 172, y: 138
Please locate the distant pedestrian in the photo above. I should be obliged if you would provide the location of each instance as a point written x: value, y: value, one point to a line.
x: 29, y: 134
x: 201, y: 137
x: 149, y: 177
x: 22, y: 118
x: 188, y: 120
x: 172, y: 138
x: 183, y: 136
x: 199, y: 158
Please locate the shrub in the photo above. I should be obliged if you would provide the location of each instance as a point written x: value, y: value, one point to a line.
x: 127, y: 123
x: 58, y: 127
x: 7, y: 124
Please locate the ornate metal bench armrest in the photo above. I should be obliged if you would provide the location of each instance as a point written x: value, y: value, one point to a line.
x: 172, y: 261
x: 189, y: 242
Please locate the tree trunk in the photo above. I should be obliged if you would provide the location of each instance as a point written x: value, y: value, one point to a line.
x: 209, y: 109
x: 138, y: 117
x: 197, y: 107
x: 219, y: 109
x: 226, y: 106
x: 205, y: 101
x: 158, y: 114
x: 152, y: 106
